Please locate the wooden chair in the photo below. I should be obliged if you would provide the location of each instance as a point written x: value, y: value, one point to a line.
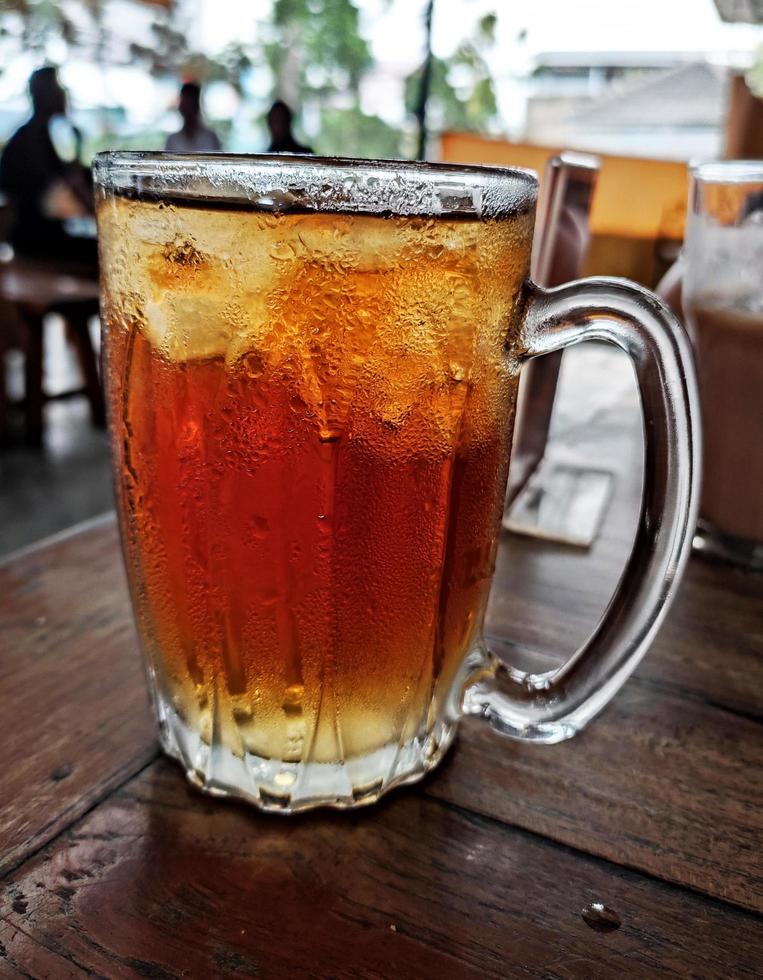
x: 9, y: 329
x: 34, y: 289
x: 562, y: 233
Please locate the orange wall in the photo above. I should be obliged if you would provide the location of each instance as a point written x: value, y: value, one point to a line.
x: 634, y: 198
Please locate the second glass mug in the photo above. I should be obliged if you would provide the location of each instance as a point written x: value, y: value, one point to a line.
x: 312, y: 368
x: 722, y: 300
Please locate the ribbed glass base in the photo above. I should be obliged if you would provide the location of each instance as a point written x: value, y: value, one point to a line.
x: 291, y: 787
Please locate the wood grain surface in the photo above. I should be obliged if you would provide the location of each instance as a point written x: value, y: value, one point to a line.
x: 666, y: 781
x: 114, y: 867
x: 161, y: 882
x: 547, y: 599
x: 76, y: 722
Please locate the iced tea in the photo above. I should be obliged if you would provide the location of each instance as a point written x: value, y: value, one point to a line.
x: 309, y: 415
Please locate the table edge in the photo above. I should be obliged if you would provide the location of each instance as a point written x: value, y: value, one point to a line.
x: 82, y: 527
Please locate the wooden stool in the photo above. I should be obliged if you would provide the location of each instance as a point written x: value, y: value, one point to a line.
x: 37, y: 289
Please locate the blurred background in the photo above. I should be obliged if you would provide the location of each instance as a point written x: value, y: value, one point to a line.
x: 643, y: 77
x: 646, y: 85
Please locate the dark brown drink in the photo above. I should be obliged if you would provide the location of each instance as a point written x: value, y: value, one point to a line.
x: 729, y: 350
x: 310, y: 422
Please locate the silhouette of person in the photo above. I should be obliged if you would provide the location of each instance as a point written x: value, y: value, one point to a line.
x: 282, y: 139
x: 193, y: 136
x: 44, y: 180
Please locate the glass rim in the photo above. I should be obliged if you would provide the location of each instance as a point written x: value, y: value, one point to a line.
x: 712, y: 171
x: 290, y: 181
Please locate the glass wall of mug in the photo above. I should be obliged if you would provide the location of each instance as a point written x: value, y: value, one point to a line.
x: 311, y: 369
x: 723, y: 305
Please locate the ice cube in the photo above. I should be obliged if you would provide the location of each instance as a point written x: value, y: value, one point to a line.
x: 194, y: 280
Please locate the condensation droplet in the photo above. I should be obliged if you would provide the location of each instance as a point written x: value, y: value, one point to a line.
x: 600, y: 917
x: 260, y: 528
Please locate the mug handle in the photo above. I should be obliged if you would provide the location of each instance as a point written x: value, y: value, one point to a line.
x: 554, y: 705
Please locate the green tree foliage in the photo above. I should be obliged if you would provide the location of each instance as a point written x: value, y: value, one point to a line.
x: 318, y: 59
x: 314, y: 47
x: 172, y: 56
x: 82, y: 26
x: 314, y: 51
x: 461, y: 92
x: 353, y: 133
x: 43, y: 19
x: 754, y: 76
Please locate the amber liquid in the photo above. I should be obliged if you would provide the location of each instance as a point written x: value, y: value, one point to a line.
x: 311, y: 417
x: 729, y: 349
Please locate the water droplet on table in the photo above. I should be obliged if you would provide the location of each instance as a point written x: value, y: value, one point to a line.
x: 600, y: 917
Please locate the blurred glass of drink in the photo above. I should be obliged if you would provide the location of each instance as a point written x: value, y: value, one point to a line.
x: 723, y: 303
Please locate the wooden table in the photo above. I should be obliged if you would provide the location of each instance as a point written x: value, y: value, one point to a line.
x: 114, y: 867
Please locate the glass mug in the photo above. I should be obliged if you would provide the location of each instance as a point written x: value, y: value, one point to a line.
x: 723, y: 303
x: 312, y: 369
